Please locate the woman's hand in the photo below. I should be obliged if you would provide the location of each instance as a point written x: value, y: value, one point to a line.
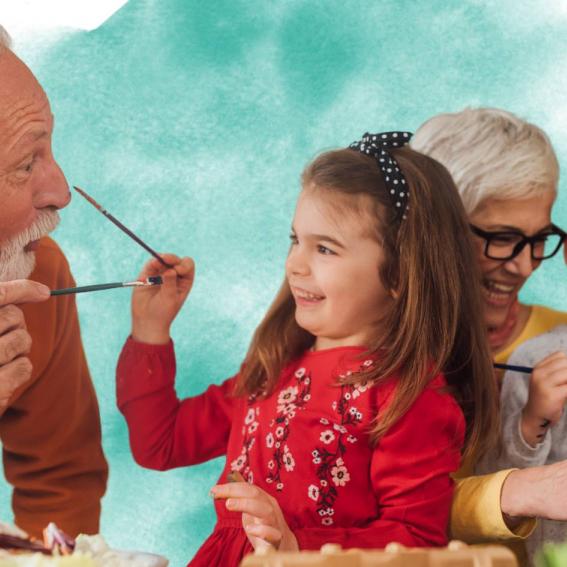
x: 536, y: 492
x: 262, y: 518
x: 154, y: 308
x: 547, y: 397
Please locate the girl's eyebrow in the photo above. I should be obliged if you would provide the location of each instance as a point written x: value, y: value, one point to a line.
x: 322, y: 237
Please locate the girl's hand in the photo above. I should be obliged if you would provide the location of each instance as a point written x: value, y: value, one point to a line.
x: 262, y: 518
x: 154, y: 308
x: 547, y: 397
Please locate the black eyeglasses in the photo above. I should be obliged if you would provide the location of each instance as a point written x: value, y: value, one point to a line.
x: 505, y: 245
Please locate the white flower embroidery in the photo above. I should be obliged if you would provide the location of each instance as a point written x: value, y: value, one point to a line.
x: 327, y: 437
x: 307, y: 397
x: 279, y: 486
x: 340, y: 474
x: 340, y: 428
x: 237, y: 464
x: 250, y: 416
x: 289, y: 410
x: 323, y: 483
x: 324, y: 421
x: 352, y: 410
x: 279, y: 432
x: 315, y: 453
x: 287, y: 396
x: 300, y: 373
x: 327, y: 521
x: 253, y: 427
x: 367, y: 363
x: 271, y: 464
x: 317, y: 460
x: 313, y: 492
x: 347, y: 396
x: 288, y: 460
x: 352, y: 439
x: 330, y: 511
x: 269, y: 440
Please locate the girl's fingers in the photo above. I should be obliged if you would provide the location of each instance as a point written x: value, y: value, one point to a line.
x: 254, y: 506
x: 236, y: 490
x: 267, y: 533
x: 154, y: 267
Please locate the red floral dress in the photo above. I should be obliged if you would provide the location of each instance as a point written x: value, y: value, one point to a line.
x: 307, y: 445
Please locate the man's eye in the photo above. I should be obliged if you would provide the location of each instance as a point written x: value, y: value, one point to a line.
x: 27, y: 167
x: 324, y: 250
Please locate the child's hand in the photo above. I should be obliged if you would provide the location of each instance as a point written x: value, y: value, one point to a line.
x: 547, y: 397
x: 262, y: 518
x: 154, y: 308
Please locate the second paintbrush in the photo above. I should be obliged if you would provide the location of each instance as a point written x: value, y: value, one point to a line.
x: 153, y: 280
x: 123, y: 228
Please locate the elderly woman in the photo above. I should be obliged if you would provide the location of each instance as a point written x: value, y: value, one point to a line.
x: 507, y: 173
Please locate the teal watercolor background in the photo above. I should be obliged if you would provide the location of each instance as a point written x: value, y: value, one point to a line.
x: 191, y: 122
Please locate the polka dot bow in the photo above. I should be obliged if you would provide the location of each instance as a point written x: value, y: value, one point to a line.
x: 376, y: 145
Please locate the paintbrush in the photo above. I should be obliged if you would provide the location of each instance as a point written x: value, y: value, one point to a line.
x: 523, y: 369
x: 121, y: 226
x: 153, y: 280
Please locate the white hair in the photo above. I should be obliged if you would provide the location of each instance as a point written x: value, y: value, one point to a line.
x: 5, y: 40
x: 490, y: 153
x: 15, y: 262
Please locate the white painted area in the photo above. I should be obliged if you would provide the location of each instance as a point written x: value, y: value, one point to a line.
x: 35, y: 25
x: 21, y: 17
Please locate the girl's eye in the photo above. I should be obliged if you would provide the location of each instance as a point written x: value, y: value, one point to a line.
x: 293, y: 238
x: 324, y: 250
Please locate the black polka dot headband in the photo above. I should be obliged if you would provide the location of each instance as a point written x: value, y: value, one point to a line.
x: 376, y: 146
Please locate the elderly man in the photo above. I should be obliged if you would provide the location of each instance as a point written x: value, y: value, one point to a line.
x: 49, y: 419
x: 506, y: 172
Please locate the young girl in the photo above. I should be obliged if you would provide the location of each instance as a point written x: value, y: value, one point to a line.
x: 346, y: 418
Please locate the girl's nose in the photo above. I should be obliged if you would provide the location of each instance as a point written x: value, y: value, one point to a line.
x: 296, y: 263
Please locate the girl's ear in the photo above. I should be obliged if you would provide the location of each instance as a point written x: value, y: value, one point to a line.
x: 394, y: 293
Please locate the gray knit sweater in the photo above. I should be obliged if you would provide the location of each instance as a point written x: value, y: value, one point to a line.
x: 516, y: 452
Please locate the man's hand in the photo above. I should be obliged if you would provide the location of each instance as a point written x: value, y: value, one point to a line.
x: 15, y: 341
x: 547, y: 397
x: 536, y: 492
x: 262, y: 517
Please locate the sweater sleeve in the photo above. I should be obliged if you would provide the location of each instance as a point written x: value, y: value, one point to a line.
x: 51, y: 432
x: 476, y: 515
x: 411, y: 476
x: 166, y: 432
x: 516, y: 451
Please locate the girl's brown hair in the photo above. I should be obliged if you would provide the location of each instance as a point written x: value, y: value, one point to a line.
x: 435, y: 324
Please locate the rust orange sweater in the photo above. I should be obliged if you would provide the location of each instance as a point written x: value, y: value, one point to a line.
x: 51, y: 430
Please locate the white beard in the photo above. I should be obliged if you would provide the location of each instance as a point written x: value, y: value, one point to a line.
x: 15, y: 262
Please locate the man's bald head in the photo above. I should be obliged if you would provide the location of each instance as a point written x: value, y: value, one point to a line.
x: 32, y: 186
x: 5, y: 41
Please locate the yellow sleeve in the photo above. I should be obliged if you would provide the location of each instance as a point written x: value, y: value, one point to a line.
x: 476, y: 515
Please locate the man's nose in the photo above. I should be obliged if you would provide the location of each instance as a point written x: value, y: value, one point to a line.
x: 51, y: 188
x: 522, y: 264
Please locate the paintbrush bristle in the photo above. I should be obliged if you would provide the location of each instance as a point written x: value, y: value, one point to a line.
x: 87, y: 197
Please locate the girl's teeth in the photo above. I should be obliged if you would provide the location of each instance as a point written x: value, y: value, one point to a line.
x: 309, y: 296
